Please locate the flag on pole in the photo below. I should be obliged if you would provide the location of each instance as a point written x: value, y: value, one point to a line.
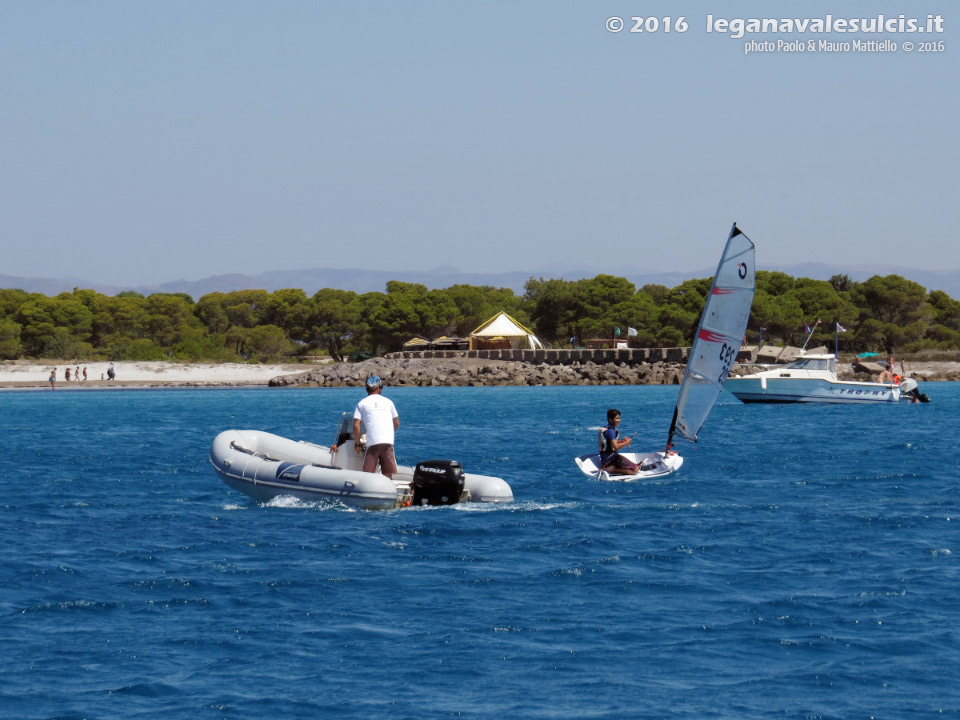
x: 841, y: 328
x: 632, y: 332
x: 616, y: 331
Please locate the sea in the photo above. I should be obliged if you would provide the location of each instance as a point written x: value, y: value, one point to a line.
x: 803, y: 563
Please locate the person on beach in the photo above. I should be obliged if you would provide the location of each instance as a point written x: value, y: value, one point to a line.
x: 66, y: 375
x: 76, y: 374
x: 610, y: 443
x: 380, y: 419
x: 111, y: 372
x: 53, y: 379
x: 84, y: 374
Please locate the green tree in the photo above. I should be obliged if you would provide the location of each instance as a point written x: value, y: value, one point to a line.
x: 891, y: 299
x: 774, y: 283
x: 691, y: 295
x: 62, y: 344
x: 209, y: 310
x: 552, y: 307
x: 165, y: 316
x: 291, y: 310
x: 477, y: 304
x: 657, y: 293
x: 946, y: 310
x: 10, y: 346
x: 10, y: 302
x: 819, y: 300
x: 641, y: 313
x: 245, y: 308
x: 35, y: 317
x: 142, y: 349
x: 126, y: 315
x: 68, y: 311
x: 335, y: 320
x: 780, y: 316
x: 409, y: 309
x: 197, y: 344
x: 842, y: 283
x: 677, y: 325
x: 268, y: 343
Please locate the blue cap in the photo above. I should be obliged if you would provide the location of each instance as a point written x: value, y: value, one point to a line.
x: 373, y: 381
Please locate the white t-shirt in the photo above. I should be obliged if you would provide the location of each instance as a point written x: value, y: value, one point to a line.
x: 376, y: 413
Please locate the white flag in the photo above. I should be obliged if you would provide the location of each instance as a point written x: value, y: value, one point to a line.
x: 632, y: 332
x: 841, y: 328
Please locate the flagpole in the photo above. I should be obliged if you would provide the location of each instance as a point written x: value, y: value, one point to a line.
x: 837, y: 329
x: 812, y: 331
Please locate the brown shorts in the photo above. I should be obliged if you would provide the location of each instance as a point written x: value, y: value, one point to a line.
x: 620, y: 462
x: 383, y: 454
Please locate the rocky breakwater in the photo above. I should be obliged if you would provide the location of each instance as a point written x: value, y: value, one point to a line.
x: 406, y: 372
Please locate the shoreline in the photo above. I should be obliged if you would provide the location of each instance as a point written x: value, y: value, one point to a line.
x: 142, y: 375
x: 134, y: 375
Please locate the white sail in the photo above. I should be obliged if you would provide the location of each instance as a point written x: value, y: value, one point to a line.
x: 718, y: 338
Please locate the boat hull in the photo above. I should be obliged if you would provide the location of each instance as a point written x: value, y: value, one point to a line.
x: 809, y: 390
x: 265, y: 466
x: 651, y: 465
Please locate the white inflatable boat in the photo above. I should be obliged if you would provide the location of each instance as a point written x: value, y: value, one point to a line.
x: 265, y: 466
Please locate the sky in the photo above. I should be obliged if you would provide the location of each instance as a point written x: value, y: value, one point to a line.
x: 145, y: 142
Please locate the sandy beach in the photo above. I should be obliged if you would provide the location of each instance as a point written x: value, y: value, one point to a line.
x: 35, y: 375
x: 142, y: 374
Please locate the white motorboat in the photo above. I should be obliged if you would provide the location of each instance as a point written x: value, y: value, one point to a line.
x: 264, y: 466
x: 809, y: 378
x: 715, y: 345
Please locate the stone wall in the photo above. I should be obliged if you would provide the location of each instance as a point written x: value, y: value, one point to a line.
x: 629, y: 356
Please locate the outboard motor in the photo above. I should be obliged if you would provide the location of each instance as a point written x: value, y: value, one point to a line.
x: 437, y: 482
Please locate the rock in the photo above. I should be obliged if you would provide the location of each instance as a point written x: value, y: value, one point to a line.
x: 409, y: 372
x: 463, y: 371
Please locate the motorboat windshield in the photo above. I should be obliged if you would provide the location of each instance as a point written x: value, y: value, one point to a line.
x: 812, y: 363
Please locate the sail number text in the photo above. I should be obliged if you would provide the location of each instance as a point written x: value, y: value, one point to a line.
x: 727, y: 355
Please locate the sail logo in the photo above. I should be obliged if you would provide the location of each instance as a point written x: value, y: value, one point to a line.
x: 711, y: 336
x: 742, y: 270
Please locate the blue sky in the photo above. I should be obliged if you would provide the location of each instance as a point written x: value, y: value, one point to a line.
x: 145, y: 142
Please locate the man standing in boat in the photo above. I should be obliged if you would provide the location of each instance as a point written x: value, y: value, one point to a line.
x: 610, y: 445
x: 379, y: 417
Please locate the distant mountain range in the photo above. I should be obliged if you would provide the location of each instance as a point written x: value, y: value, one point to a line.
x: 362, y: 281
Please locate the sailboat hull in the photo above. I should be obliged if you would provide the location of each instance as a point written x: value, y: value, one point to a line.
x: 650, y: 465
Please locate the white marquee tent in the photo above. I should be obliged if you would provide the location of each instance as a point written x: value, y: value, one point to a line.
x: 503, y: 326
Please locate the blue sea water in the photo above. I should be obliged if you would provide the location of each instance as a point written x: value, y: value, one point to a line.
x: 802, y: 564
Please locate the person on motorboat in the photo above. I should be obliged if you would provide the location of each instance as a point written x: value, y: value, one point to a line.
x: 886, y: 375
x: 610, y: 444
x: 380, y: 419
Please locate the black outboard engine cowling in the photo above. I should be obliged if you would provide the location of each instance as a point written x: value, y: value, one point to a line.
x: 437, y: 482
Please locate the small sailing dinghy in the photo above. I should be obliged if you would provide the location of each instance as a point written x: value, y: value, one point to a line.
x: 715, y: 346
